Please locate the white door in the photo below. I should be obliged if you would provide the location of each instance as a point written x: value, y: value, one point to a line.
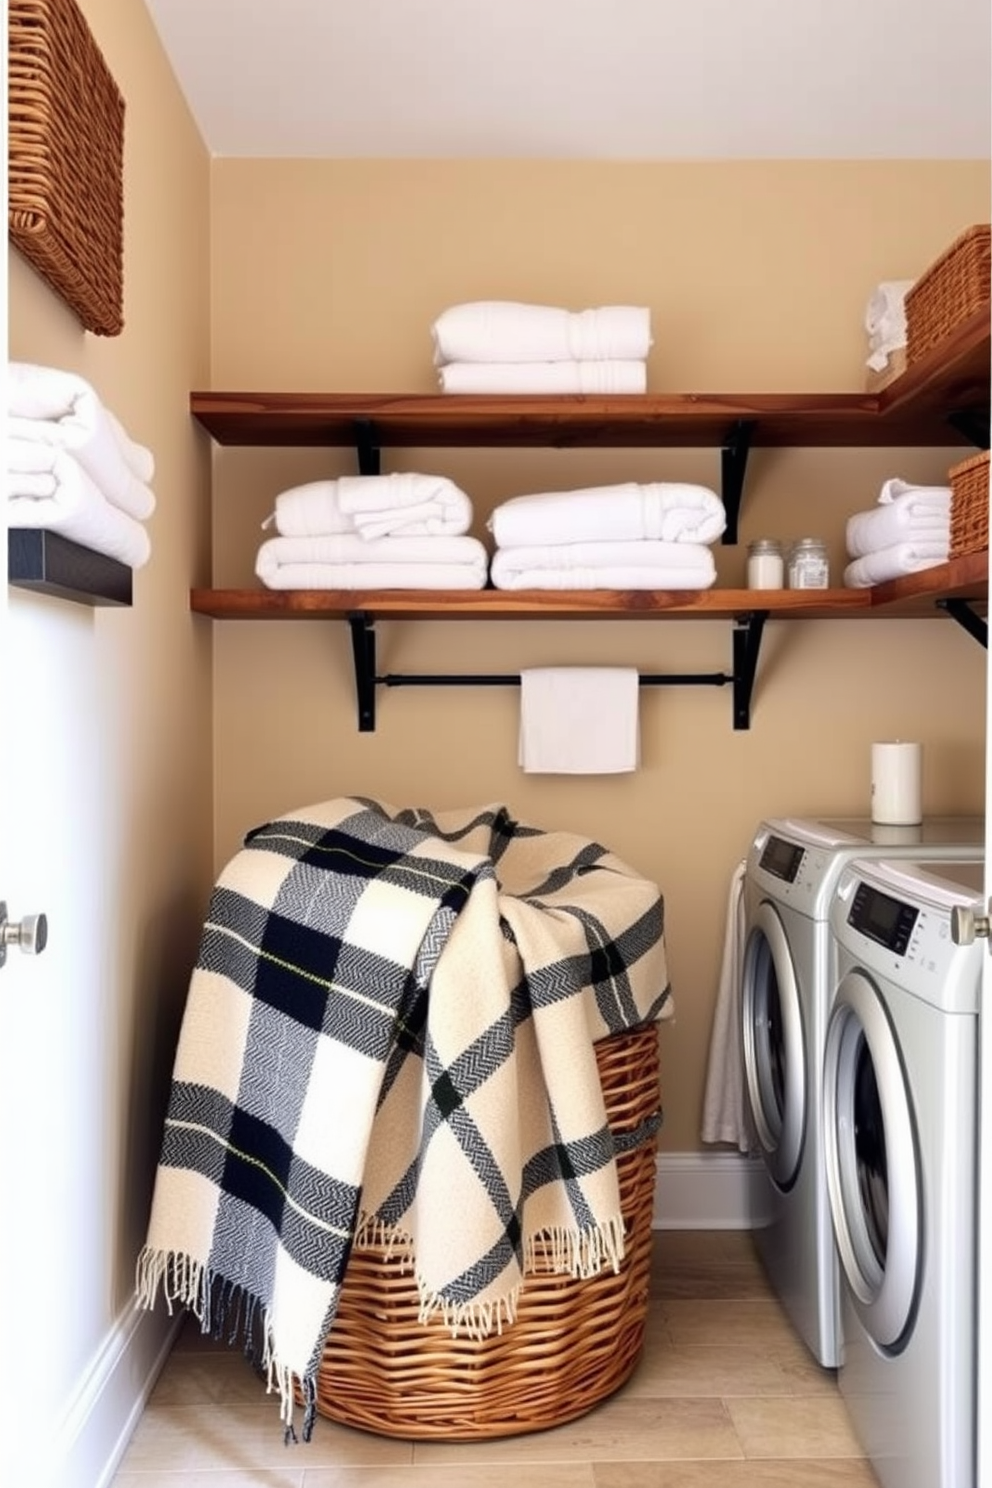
x: 984, y: 1251
x: 33, y: 1231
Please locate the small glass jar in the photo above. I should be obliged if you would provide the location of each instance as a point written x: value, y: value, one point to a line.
x: 765, y: 564
x: 809, y: 566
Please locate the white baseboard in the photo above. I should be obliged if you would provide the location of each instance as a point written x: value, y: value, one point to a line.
x: 710, y: 1191
x: 97, y: 1425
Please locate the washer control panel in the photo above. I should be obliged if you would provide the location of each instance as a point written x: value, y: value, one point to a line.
x: 893, y: 918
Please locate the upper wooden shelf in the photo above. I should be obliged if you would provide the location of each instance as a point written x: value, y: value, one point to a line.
x: 915, y: 410
x: 914, y: 596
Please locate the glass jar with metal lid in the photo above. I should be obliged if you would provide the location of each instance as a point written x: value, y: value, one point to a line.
x: 809, y: 566
x: 765, y: 564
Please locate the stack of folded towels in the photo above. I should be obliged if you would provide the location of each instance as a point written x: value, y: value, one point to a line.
x: 73, y: 468
x: 625, y: 536
x: 499, y: 346
x: 403, y: 531
x: 907, y: 530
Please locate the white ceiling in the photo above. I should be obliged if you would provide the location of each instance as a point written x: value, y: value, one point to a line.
x: 585, y: 79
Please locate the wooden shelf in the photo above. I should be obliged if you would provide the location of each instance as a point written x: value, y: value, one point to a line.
x: 941, y: 400
x: 913, y: 596
x: 914, y: 411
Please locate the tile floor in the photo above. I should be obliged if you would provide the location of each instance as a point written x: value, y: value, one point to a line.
x: 725, y: 1396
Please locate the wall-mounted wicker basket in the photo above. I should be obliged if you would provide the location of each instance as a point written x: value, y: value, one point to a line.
x: 970, y: 506
x: 950, y: 291
x: 574, y: 1340
x: 66, y: 159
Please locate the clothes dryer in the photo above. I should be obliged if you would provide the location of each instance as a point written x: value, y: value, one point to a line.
x: 900, y: 1102
x: 787, y: 980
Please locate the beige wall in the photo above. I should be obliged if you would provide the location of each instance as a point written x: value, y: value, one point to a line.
x: 124, y: 817
x: 326, y: 276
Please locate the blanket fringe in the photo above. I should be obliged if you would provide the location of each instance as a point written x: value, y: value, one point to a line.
x: 396, y: 1242
x: 476, y: 1320
x: 563, y: 1251
x: 185, y: 1282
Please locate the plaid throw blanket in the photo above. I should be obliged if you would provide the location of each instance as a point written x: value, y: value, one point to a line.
x: 389, y: 1030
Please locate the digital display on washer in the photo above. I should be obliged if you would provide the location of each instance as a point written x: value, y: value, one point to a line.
x: 781, y: 858
x: 882, y: 918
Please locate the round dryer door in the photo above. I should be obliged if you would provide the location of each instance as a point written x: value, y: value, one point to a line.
x: 773, y: 1046
x: 872, y: 1162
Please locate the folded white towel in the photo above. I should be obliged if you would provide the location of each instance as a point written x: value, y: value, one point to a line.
x: 402, y: 505
x: 64, y: 499
x: 543, y: 377
x: 622, y: 565
x: 726, y: 1117
x: 62, y: 410
x: 579, y: 720
x: 666, y: 511
x: 507, y: 331
x: 352, y: 562
x: 894, y: 489
x: 909, y: 518
x: 892, y: 563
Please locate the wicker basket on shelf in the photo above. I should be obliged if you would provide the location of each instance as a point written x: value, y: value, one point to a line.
x: 65, y: 159
x: 573, y: 1342
x: 970, y: 506
x: 950, y: 291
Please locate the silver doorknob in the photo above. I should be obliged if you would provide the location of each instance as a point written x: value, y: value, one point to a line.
x: 967, y: 926
x: 29, y: 933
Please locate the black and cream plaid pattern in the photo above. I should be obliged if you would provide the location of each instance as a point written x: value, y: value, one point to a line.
x: 389, y: 1030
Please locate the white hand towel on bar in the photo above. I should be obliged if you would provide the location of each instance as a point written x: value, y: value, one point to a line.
x: 579, y: 720
x: 892, y: 563
x: 543, y: 377
x: 725, y: 1114
x: 608, y: 565
x: 63, y: 499
x: 351, y: 562
x: 507, y: 331
x: 63, y: 411
x: 403, y: 505
x: 665, y: 511
x: 909, y: 519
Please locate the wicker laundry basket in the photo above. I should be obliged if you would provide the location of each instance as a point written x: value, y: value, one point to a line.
x: 573, y: 1342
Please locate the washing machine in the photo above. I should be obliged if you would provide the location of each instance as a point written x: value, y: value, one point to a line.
x: 787, y: 981
x: 900, y: 1102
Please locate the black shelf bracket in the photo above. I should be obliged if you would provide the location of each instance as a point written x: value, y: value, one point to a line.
x: 733, y: 468
x: 367, y: 447
x: 973, y: 423
x: 746, y: 640
x: 363, y: 650
x: 961, y: 611
x: 747, y: 647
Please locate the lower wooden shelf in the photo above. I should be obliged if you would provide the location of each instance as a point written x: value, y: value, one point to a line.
x: 958, y: 589
x: 914, y: 596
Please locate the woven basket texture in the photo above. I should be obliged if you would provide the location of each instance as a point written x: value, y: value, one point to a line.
x: 950, y: 291
x: 66, y: 159
x: 573, y: 1342
x: 970, y: 506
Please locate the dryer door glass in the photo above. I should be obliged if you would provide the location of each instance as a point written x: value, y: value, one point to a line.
x: 872, y: 1163
x: 869, y: 1152
x: 773, y: 1045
